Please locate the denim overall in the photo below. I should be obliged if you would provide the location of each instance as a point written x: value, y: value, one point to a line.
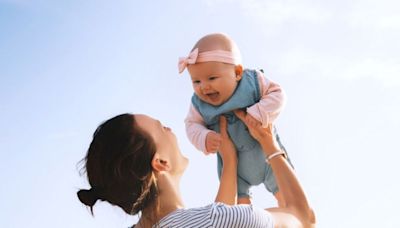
x: 252, y: 168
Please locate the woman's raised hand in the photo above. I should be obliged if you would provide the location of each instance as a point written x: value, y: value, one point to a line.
x: 227, y: 192
x: 264, y: 136
x: 227, y: 150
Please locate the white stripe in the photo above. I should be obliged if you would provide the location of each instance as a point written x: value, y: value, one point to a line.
x: 218, y: 215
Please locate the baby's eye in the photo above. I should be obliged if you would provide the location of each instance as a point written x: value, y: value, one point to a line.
x: 196, y: 82
x: 212, y: 78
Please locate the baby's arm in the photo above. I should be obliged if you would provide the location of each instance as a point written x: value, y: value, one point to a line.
x: 271, y: 103
x: 202, y: 138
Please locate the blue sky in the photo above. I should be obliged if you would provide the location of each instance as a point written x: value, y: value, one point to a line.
x: 65, y: 66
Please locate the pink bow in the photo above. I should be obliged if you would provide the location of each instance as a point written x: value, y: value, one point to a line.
x: 191, y: 59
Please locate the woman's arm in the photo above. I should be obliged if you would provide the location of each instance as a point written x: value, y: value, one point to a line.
x: 297, y: 212
x: 227, y: 192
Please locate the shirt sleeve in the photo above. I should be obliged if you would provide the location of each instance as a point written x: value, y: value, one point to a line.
x: 196, y: 130
x: 272, y: 101
x: 242, y: 215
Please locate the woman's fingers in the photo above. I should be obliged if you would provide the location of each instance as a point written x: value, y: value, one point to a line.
x: 222, y: 125
x: 250, y: 121
x: 253, y: 125
x: 247, y: 119
x: 241, y: 115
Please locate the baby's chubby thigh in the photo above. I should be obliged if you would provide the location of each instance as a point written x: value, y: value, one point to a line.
x: 251, y: 159
x: 252, y: 165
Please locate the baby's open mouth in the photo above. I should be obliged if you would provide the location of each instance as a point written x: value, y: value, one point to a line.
x: 212, y: 96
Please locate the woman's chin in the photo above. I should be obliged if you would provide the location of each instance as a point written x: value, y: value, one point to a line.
x: 185, y: 163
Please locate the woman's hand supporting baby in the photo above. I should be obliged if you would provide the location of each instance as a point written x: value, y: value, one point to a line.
x: 263, y: 135
x: 297, y: 210
x: 227, y: 192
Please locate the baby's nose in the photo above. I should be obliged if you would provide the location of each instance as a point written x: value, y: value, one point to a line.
x: 205, y: 86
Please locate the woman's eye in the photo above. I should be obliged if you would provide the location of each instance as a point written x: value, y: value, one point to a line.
x: 212, y: 78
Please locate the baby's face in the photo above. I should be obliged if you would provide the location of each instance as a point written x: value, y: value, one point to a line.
x: 213, y: 82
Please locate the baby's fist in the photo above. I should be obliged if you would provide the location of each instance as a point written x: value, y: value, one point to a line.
x: 213, y: 141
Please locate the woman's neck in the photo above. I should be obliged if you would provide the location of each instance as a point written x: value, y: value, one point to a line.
x: 169, y: 199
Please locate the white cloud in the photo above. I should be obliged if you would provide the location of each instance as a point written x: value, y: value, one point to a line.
x: 362, y: 13
x: 369, y: 22
x: 385, y: 70
x: 16, y: 2
x: 377, y: 14
x: 277, y: 12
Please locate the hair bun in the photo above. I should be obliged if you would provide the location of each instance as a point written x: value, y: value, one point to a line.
x: 87, y: 197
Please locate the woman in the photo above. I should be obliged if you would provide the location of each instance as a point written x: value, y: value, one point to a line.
x: 134, y: 162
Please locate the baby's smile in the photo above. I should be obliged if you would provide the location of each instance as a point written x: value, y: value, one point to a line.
x: 212, y: 96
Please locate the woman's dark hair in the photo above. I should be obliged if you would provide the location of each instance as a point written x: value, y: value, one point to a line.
x: 118, y: 166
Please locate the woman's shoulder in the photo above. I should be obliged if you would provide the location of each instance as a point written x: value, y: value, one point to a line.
x: 188, y: 217
x: 218, y: 215
x: 242, y: 215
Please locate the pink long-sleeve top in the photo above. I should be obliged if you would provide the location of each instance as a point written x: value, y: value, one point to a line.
x: 266, y: 111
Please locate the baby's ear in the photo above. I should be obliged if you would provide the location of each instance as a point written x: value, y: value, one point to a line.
x: 238, y: 72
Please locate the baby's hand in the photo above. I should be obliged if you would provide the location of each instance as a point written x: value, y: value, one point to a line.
x: 213, y: 141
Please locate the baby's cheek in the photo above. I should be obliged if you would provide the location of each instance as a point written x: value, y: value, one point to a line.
x: 197, y: 91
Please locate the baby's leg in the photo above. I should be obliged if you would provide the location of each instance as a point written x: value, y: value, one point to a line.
x: 243, y: 191
x: 243, y: 186
x: 244, y: 200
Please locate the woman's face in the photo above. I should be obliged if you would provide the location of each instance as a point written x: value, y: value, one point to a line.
x: 166, y: 142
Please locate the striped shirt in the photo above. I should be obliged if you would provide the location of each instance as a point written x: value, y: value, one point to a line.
x: 218, y: 215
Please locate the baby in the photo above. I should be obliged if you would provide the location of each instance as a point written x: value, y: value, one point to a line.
x: 221, y: 85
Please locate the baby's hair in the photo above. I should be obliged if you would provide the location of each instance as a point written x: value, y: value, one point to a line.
x: 118, y: 166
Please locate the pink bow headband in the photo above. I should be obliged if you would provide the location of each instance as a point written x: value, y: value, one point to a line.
x: 208, y: 56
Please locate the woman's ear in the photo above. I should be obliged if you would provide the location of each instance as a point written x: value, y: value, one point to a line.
x: 238, y: 72
x: 159, y: 164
